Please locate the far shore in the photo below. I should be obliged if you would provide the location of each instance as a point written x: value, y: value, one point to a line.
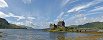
x: 81, y: 31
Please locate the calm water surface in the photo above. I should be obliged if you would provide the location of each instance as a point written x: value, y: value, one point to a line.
x: 24, y: 34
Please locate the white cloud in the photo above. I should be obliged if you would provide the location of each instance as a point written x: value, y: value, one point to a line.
x: 27, y: 1
x: 78, y: 8
x: 82, y: 19
x: 15, y: 16
x: 3, y: 4
x: 3, y: 15
x: 65, y: 2
x: 31, y: 18
x: 96, y: 9
x: 42, y: 22
x: 21, y: 17
x: 76, y: 16
x: 60, y: 15
x: 18, y: 23
x: 27, y: 21
x: 81, y: 15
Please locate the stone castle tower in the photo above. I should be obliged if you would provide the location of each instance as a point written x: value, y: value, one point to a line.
x: 59, y: 24
x: 53, y: 26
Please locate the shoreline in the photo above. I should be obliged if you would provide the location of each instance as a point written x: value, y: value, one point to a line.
x: 89, y: 32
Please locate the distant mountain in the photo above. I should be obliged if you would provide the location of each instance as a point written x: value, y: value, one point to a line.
x: 98, y: 25
x: 26, y: 27
x: 5, y: 25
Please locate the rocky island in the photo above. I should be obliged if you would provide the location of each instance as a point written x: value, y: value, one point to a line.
x: 59, y: 27
x: 88, y: 27
x: 5, y: 25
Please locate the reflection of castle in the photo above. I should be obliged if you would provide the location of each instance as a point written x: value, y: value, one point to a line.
x: 57, y: 35
x: 59, y: 24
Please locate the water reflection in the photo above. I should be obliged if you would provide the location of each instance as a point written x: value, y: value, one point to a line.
x: 57, y: 36
x: 41, y: 35
x: 1, y: 35
x: 89, y: 38
x: 75, y: 36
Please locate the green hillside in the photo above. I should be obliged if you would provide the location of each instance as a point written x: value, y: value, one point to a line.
x: 97, y: 25
x: 5, y: 25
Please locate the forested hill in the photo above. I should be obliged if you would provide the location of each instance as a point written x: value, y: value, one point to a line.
x: 5, y: 25
x: 98, y: 25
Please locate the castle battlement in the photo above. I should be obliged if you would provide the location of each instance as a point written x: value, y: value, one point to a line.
x: 59, y: 24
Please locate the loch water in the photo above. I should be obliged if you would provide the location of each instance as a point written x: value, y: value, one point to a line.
x: 36, y: 34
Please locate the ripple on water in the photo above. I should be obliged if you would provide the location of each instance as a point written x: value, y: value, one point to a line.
x: 13, y: 34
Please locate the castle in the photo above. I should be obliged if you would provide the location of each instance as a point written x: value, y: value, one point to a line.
x: 60, y: 24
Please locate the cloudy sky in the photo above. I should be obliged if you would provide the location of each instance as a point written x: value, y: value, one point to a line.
x: 40, y: 13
